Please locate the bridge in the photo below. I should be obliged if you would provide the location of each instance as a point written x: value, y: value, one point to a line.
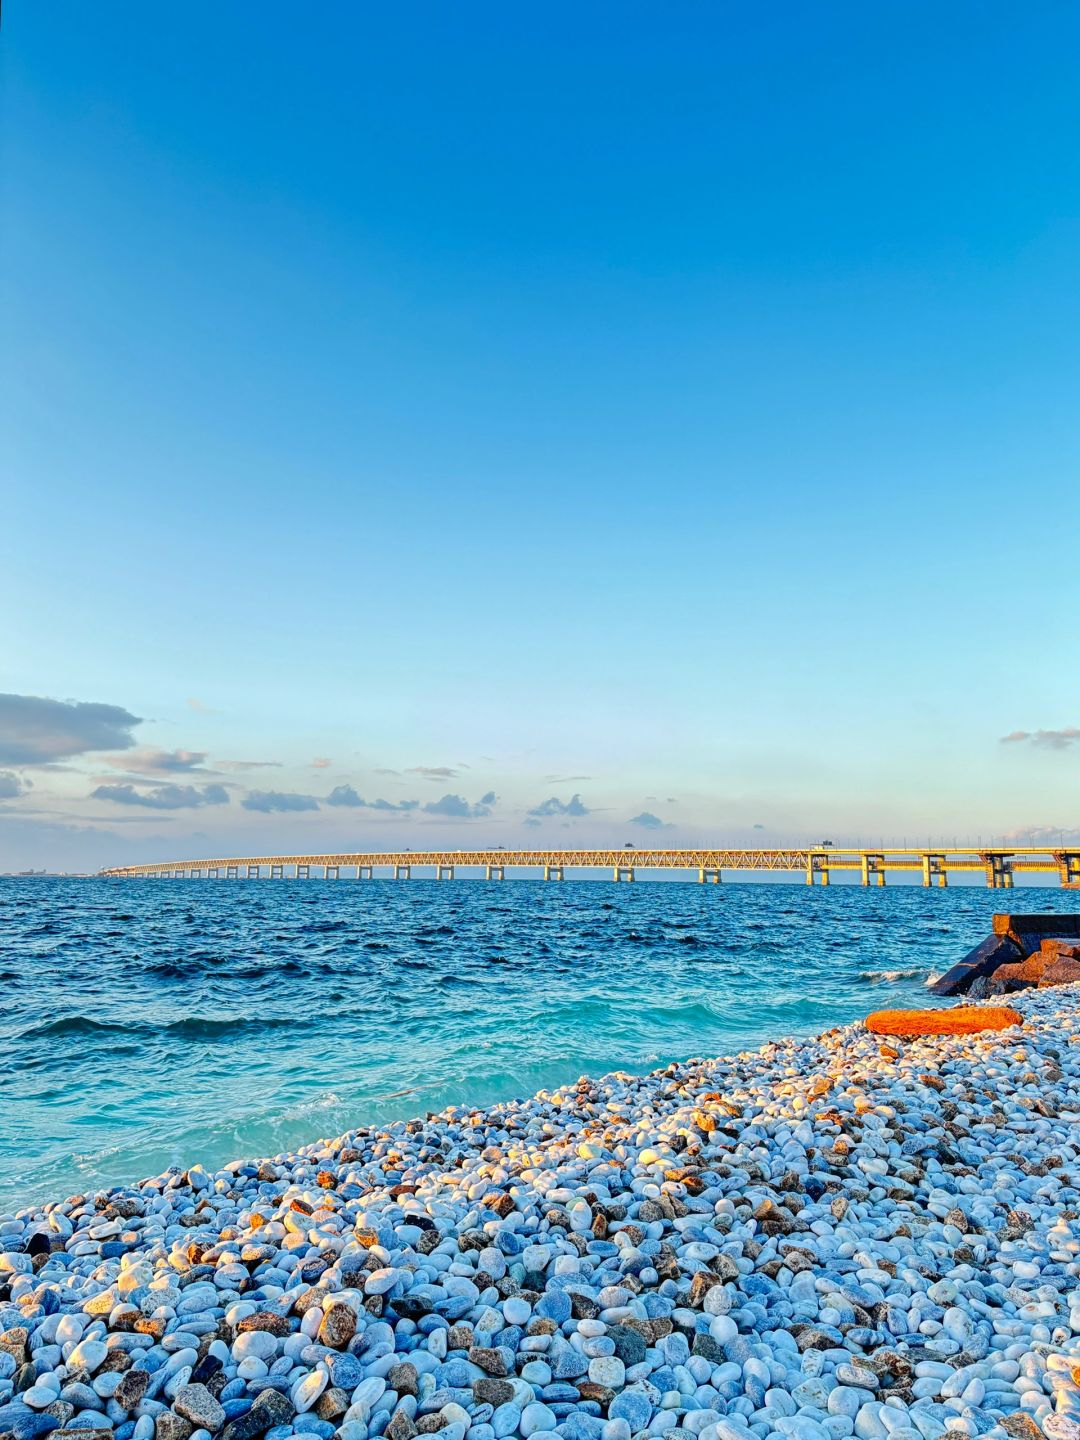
x: 998, y: 865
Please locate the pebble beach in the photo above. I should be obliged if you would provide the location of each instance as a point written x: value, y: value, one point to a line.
x: 845, y: 1236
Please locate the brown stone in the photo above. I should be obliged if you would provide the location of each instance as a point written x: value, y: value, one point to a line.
x: 265, y: 1320
x: 332, y: 1403
x: 493, y: 1392
x: 490, y: 1360
x: 14, y: 1342
x: 170, y: 1426
x: 590, y: 1390
x: 338, y: 1327
x: 132, y: 1388
x: 1021, y: 1426
x: 772, y: 1220
x: 961, y: 1020
x: 400, y: 1427
x: 404, y: 1378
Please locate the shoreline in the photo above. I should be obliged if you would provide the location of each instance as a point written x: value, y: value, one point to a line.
x: 823, y: 1238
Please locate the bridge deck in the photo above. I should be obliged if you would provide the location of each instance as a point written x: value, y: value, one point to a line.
x: 999, y: 864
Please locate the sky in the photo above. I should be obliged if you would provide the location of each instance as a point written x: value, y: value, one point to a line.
x: 556, y: 426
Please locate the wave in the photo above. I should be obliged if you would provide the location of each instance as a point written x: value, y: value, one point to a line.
x: 192, y: 1027
x: 879, y: 977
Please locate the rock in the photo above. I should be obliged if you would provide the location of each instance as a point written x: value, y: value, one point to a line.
x: 338, y: 1327
x: 170, y: 1426
x: 493, y: 1392
x: 195, y: 1403
x: 131, y: 1389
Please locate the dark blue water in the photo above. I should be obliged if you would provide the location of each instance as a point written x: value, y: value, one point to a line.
x: 147, y: 1023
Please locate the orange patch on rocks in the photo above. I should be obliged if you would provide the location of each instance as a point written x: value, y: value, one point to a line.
x: 963, y: 1020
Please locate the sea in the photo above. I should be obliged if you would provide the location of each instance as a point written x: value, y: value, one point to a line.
x: 146, y: 1024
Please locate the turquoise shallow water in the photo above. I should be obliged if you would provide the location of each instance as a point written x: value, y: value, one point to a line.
x: 162, y: 1022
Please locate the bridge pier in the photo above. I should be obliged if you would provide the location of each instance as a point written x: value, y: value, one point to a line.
x: 231, y: 872
x: 444, y: 872
x: 301, y: 872
x: 331, y: 872
x: 933, y: 869
x: 707, y: 875
x: 277, y: 872
x: 817, y: 869
x: 553, y: 872
x: 402, y: 872
x: 999, y: 872
x: 495, y: 872
x: 254, y: 871
x: 873, y: 866
x: 363, y: 872
x: 1069, y: 868
x: 623, y: 872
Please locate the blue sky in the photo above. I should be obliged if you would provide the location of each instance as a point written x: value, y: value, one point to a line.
x: 674, y: 407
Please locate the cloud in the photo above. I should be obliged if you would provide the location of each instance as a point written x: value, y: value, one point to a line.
x: 432, y: 772
x: 163, y: 797
x: 321, y: 763
x: 346, y: 795
x: 534, y: 823
x: 12, y: 785
x: 555, y: 806
x: 197, y: 705
x: 146, y: 761
x: 1044, y: 739
x: 249, y: 764
x: 758, y: 826
x: 266, y: 801
x: 648, y: 821
x: 564, y: 779
x: 36, y: 731
x: 457, y: 808
x: 387, y: 772
x: 1042, y: 834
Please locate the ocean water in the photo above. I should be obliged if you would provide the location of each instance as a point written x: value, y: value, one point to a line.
x: 151, y: 1023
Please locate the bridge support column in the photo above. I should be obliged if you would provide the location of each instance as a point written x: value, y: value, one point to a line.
x: 1069, y: 868
x: 254, y: 871
x: 213, y: 873
x: 873, y: 869
x: 402, y: 872
x: 363, y: 872
x: 231, y: 872
x: 934, y: 871
x: 178, y: 874
x: 999, y: 874
x: 553, y: 872
x: 277, y: 872
x: 301, y: 872
x: 495, y: 872
x: 708, y: 876
x: 444, y: 872
x: 331, y: 872
x: 623, y: 872
x: 817, y: 869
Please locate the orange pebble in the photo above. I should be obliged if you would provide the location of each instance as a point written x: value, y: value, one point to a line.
x: 962, y: 1020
